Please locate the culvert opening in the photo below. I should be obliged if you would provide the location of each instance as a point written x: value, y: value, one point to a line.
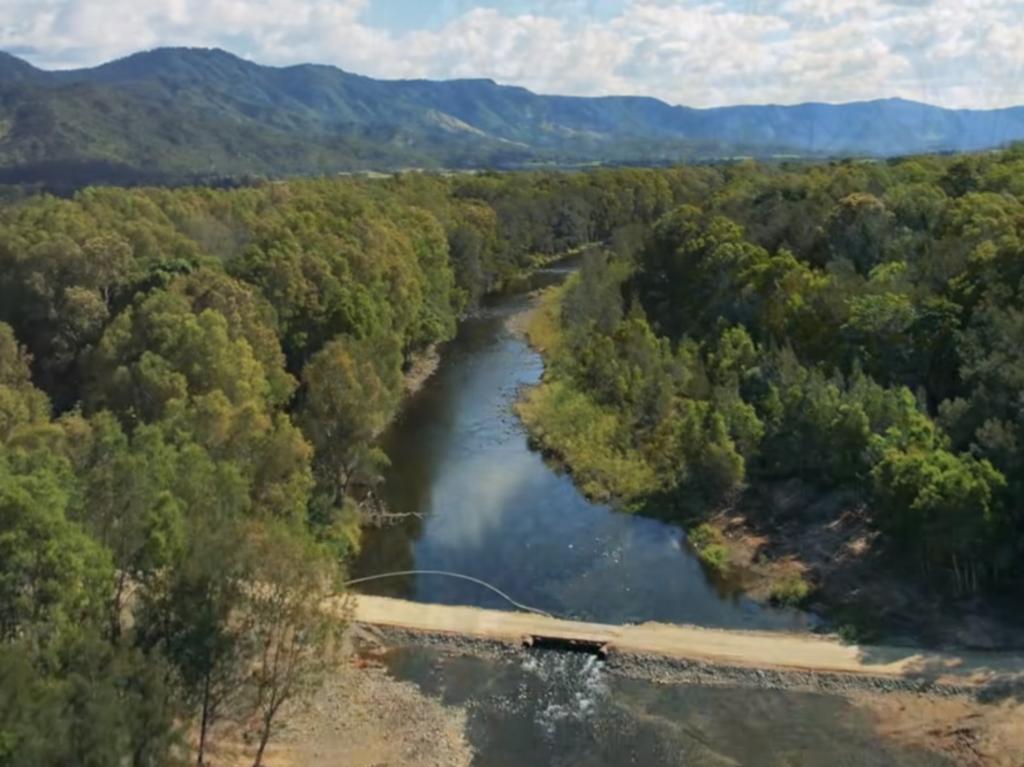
x: 580, y: 646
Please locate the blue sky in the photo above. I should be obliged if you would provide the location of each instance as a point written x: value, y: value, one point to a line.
x: 408, y: 15
x: 967, y: 53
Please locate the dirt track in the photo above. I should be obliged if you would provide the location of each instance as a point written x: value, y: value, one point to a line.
x: 777, y: 652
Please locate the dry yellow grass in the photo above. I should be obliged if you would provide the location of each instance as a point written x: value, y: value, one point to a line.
x: 543, y: 328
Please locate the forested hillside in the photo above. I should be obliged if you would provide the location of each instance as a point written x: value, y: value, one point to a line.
x: 854, y: 326
x: 178, y: 115
x: 191, y: 382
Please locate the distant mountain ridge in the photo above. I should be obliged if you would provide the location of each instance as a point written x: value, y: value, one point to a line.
x: 180, y: 113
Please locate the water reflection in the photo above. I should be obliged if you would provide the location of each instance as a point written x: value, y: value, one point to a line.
x: 493, y: 509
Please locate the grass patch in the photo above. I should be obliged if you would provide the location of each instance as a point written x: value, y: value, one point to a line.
x: 791, y: 589
x: 710, y: 547
x: 544, y: 329
x: 855, y: 624
x: 589, y: 439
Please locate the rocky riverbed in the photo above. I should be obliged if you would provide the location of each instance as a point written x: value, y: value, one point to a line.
x: 359, y: 717
x: 364, y: 718
x: 975, y: 727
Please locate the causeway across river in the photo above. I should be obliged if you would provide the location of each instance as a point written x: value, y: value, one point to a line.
x: 770, y: 651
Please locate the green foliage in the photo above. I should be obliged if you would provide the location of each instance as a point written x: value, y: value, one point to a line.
x: 159, y: 351
x: 545, y: 326
x: 591, y: 439
x: 710, y: 547
x: 351, y: 389
x: 220, y: 364
x: 22, y: 406
x: 86, y: 703
x: 291, y: 640
x: 790, y: 590
x: 189, y: 377
x: 853, y: 325
x: 51, y: 572
x: 690, y: 271
x: 943, y: 502
x: 857, y: 229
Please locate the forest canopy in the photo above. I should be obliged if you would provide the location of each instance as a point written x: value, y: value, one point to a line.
x: 191, y: 384
x: 192, y: 381
x: 853, y: 325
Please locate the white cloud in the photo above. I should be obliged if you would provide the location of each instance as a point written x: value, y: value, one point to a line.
x: 697, y: 52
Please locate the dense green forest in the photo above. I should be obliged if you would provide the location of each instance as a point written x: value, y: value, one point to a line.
x: 191, y: 383
x: 853, y: 325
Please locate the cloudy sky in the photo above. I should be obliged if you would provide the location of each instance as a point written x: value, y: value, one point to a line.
x: 698, y: 52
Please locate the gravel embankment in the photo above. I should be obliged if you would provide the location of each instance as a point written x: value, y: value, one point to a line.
x: 671, y: 670
x: 362, y: 717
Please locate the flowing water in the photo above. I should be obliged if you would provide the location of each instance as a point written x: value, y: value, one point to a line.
x: 492, y: 508
x: 552, y: 709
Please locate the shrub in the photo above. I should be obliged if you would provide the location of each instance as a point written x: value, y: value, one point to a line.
x: 791, y: 589
x: 710, y: 547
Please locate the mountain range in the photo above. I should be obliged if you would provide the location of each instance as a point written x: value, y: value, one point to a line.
x: 180, y: 114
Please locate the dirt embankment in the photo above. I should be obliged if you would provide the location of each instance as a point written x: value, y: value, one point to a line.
x: 780, y: 531
x: 360, y: 717
x: 983, y: 728
x: 969, y: 732
x: 422, y: 366
x: 364, y: 718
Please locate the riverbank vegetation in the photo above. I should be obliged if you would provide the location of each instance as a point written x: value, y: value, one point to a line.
x: 191, y: 384
x: 854, y: 328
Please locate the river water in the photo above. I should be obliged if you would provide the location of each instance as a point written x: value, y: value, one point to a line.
x: 492, y: 508
x: 552, y: 709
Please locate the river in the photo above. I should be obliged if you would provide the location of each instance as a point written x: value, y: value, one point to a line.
x: 492, y: 508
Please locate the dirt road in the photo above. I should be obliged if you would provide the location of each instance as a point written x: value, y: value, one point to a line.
x: 755, y: 650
